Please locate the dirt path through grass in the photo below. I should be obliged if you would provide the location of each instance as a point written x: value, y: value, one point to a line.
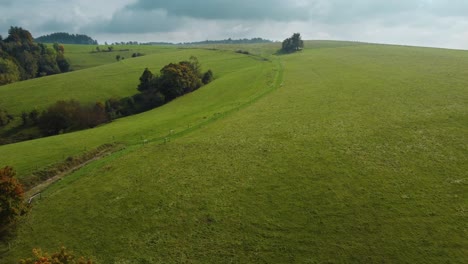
x: 30, y: 194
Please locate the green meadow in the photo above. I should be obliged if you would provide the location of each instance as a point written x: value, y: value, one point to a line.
x: 239, y: 79
x: 86, y: 56
x: 342, y: 153
x: 111, y: 79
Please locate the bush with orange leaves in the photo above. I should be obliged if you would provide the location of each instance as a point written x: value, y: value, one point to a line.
x: 12, y: 202
x: 61, y: 257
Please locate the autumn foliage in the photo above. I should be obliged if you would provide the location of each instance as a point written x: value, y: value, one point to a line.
x: 61, y: 257
x: 11, y: 198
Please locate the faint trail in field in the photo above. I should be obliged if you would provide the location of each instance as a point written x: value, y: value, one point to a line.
x: 42, y: 186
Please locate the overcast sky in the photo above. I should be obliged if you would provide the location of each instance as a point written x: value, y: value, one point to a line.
x: 437, y: 23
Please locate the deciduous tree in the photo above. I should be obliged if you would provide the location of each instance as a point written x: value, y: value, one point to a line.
x: 145, y: 80
x: 9, y: 71
x: 207, y: 77
x: 292, y: 44
x: 11, y: 198
x: 5, y: 118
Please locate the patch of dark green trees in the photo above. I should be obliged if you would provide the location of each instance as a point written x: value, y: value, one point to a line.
x: 154, y: 90
x: 21, y: 58
x: 292, y: 44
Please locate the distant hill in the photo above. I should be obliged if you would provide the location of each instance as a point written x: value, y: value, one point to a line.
x: 224, y: 41
x: 66, y: 38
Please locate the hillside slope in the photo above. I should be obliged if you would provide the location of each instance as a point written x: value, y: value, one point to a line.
x: 89, y: 85
x: 359, y: 156
x: 238, y: 80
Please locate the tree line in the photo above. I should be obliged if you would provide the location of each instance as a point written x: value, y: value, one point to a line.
x: 154, y: 90
x: 208, y: 42
x: 21, y: 58
x: 229, y: 41
x: 66, y: 38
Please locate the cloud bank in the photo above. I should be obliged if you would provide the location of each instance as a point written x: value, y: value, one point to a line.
x: 440, y: 23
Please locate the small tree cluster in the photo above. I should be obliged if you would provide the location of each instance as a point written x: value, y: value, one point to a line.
x: 11, y: 199
x: 245, y: 52
x: 293, y: 44
x: 175, y: 79
x: 67, y: 38
x: 61, y: 257
x: 31, y: 118
x: 66, y: 116
x: 107, y: 49
x: 119, y: 107
x: 5, y: 117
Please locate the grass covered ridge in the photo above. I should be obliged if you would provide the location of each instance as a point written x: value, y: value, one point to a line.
x: 360, y: 156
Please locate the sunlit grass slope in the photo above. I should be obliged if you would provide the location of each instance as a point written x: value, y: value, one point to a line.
x: 85, y: 56
x: 89, y: 85
x: 360, y: 156
x: 238, y: 80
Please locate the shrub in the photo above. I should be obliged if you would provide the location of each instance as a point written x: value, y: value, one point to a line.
x: 9, y: 71
x: 34, y: 116
x: 207, y: 77
x: 65, y: 116
x: 11, y: 199
x: 243, y: 52
x: 61, y: 257
x: 5, y: 118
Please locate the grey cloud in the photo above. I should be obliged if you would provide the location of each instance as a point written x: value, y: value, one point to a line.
x: 328, y: 11
x: 227, y: 9
x: 6, y: 2
x: 448, y: 8
x: 55, y: 25
x: 420, y: 22
x: 343, y: 11
x: 142, y: 21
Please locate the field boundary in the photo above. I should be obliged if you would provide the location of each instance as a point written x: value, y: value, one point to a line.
x: 38, y: 181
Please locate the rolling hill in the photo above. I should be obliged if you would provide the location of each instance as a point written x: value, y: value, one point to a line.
x: 344, y: 152
x: 239, y: 79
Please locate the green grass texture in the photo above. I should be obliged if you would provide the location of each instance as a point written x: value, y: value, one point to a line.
x: 114, y: 79
x: 341, y: 153
x: 238, y: 80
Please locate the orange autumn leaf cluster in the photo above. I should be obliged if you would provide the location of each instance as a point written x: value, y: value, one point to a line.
x: 61, y: 257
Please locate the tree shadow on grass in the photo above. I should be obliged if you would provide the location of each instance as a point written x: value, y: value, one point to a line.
x: 282, y: 52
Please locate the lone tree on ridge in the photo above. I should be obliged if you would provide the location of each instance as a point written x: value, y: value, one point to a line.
x: 293, y: 44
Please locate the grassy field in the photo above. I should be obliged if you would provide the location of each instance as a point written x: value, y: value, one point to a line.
x: 238, y: 80
x: 359, y: 155
x: 116, y: 79
x: 85, y: 56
